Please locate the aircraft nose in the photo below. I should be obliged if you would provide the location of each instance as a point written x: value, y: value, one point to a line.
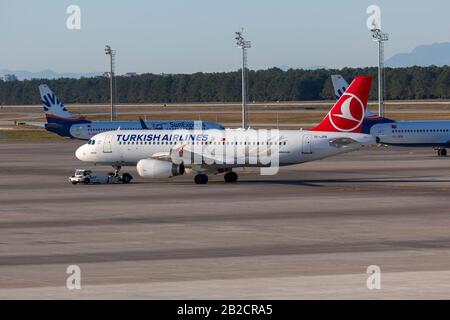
x: 81, y: 153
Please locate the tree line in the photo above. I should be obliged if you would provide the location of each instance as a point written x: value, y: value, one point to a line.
x: 263, y: 85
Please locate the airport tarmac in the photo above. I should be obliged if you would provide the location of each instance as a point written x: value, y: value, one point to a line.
x: 309, y: 232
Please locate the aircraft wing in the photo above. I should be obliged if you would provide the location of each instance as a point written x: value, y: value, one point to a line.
x: 164, y: 156
x: 195, y: 156
x: 36, y: 124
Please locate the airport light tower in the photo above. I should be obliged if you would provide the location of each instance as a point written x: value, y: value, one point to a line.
x: 112, y: 55
x: 380, y: 37
x: 244, y: 45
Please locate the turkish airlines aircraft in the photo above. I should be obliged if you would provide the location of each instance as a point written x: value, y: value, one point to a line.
x: 417, y: 133
x: 66, y: 124
x: 163, y: 154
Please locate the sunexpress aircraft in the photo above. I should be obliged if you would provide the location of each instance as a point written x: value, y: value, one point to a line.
x: 66, y: 124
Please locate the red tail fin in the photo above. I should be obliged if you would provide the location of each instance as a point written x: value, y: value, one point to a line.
x: 347, y: 114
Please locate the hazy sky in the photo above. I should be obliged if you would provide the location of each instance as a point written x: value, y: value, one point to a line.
x: 185, y: 36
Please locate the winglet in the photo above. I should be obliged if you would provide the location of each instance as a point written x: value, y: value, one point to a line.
x: 143, y: 124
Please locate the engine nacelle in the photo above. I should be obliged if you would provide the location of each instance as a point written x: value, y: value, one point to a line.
x: 151, y: 168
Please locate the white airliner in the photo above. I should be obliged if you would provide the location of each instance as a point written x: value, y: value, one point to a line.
x: 417, y: 133
x: 66, y: 124
x: 163, y: 154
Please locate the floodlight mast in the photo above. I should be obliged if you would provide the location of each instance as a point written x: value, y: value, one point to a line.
x: 244, y: 45
x: 112, y: 54
x: 380, y: 37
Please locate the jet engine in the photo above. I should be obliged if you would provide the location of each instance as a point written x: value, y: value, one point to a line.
x: 151, y: 168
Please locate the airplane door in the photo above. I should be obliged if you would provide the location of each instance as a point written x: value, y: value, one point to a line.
x: 306, y: 145
x: 107, y: 144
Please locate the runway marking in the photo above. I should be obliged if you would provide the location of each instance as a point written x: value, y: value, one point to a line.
x: 224, y: 252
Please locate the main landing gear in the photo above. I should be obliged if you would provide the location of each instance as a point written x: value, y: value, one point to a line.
x: 230, y: 176
x: 201, y: 178
x: 442, y: 152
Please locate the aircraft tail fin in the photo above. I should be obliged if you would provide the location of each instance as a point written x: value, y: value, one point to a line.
x: 54, y: 109
x: 347, y: 114
x: 339, y: 85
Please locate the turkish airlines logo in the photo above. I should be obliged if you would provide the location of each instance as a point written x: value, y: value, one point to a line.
x: 349, y: 115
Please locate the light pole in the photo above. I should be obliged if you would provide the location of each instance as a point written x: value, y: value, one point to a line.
x: 244, y: 45
x: 380, y: 37
x: 112, y: 54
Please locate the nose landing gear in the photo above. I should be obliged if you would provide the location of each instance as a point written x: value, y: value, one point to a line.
x: 116, y: 170
x: 125, y: 178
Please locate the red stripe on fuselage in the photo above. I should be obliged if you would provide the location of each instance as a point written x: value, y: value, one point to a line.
x: 60, y: 118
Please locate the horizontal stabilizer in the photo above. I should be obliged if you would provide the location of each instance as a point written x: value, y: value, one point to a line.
x: 341, y: 142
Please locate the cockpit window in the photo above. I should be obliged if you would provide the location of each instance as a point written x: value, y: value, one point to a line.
x: 91, y: 142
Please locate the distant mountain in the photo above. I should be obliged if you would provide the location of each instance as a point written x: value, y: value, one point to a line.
x: 47, y: 74
x: 314, y: 67
x: 437, y: 54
